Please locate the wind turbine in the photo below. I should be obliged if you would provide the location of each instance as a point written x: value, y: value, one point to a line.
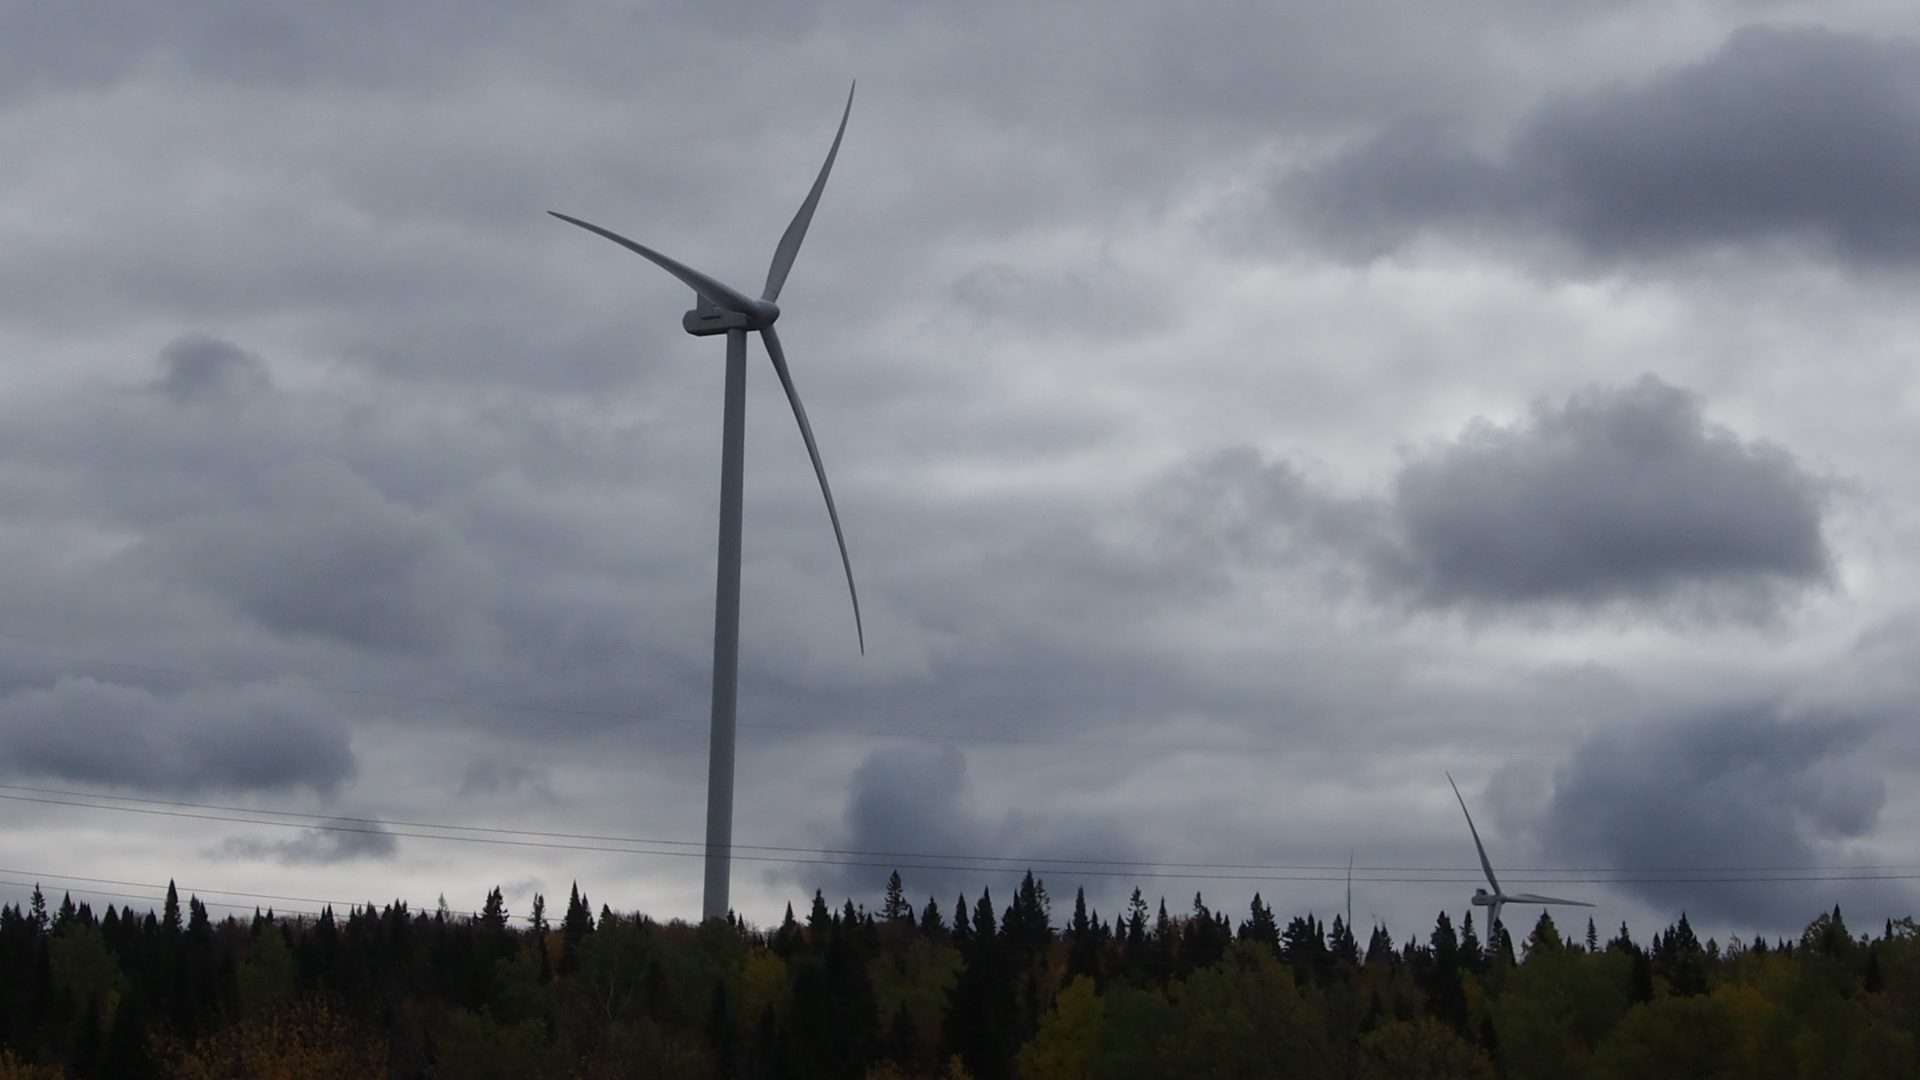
x: 721, y: 309
x: 1494, y: 900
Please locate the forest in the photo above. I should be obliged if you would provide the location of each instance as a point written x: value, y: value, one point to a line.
x: 974, y: 990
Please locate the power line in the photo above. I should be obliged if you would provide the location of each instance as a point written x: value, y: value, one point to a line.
x: 195, y: 891
x: 1019, y: 861
x: 1036, y: 864
x: 149, y: 898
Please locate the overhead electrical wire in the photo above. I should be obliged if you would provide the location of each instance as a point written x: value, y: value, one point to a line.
x: 41, y: 877
x: 1704, y: 875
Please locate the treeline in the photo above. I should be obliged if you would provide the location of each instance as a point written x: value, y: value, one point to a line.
x: 976, y: 991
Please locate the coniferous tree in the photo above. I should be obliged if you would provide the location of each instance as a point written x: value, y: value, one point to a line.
x: 574, y: 928
x: 1083, y: 944
x: 930, y: 920
x: 1379, y: 946
x: 1593, y: 936
x: 787, y: 940
x: 1545, y: 936
x: 1472, y: 952
x: 819, y: 921
x: 1261, y: 925
x: 1202, y: 943
x: 1447, y: 1000
x: 1028, y: 922
x: 1165, y: 946
x: 896, y: 908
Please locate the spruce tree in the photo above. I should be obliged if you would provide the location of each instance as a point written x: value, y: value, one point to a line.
x: 170, y: 918
x: 1083, y: 944
x: 896, y: 908
x: 930, y: 921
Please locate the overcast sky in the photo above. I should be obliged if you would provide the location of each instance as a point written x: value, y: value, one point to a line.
x: 1239, y: 414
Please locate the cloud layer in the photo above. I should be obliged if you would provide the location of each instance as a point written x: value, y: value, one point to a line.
x: 1793, y: 133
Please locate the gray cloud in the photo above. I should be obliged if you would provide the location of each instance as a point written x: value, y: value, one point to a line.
x: 1622, y: 493
x: 1783, y: 133
x: 490, y: 776
x: 258, y: 738
x: 327, y: 555
x: 198, y: 366
x: 456, y: 462
x: 1746, y: 786
x: 317, y: 847
x: 920, y: 800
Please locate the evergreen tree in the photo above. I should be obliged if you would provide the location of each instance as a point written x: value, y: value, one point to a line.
x: 1261, y: 925
x: 1341, y: 944
x: 1593, y: 936
x: 574, y: 928
x: 1545, y: 936
x: 1447, y: 1000
x: 819, y: 920
x: 1083, y: 943
x: 170, y: 918
x: 788, y: 939
x: 37, y: 909
x: 1379, y: 947
x: 962, y: 927
x: 1165, y: 953
x: 896, y: 908
x: 1028, y: 921
x: 493, y: 915
x: 930, y: 920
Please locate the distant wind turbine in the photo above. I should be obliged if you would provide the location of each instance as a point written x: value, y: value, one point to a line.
x: 1494, y: 900
x: 722, y: 309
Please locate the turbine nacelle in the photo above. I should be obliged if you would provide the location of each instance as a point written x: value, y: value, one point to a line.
x: 1480, y: 898
x: 706, y: 320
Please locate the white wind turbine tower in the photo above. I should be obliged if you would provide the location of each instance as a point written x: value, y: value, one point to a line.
x: 721, y: 309
x: 1494, y: 900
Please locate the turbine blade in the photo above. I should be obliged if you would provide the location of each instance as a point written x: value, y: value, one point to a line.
x: 797, y: 228
x: 713, y: 291
x: 1536, y: 898
x: 1478, y: 846
x: 779, y: 358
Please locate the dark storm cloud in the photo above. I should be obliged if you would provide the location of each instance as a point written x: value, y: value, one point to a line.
x: 1793, y: 133
x: 1618, y: 494
x: 350, y: 840
x: 1626, y: 493
x: 919, y: 801
x: 1746, y: 786
x: 198, y: 366
x: 86, y: 731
